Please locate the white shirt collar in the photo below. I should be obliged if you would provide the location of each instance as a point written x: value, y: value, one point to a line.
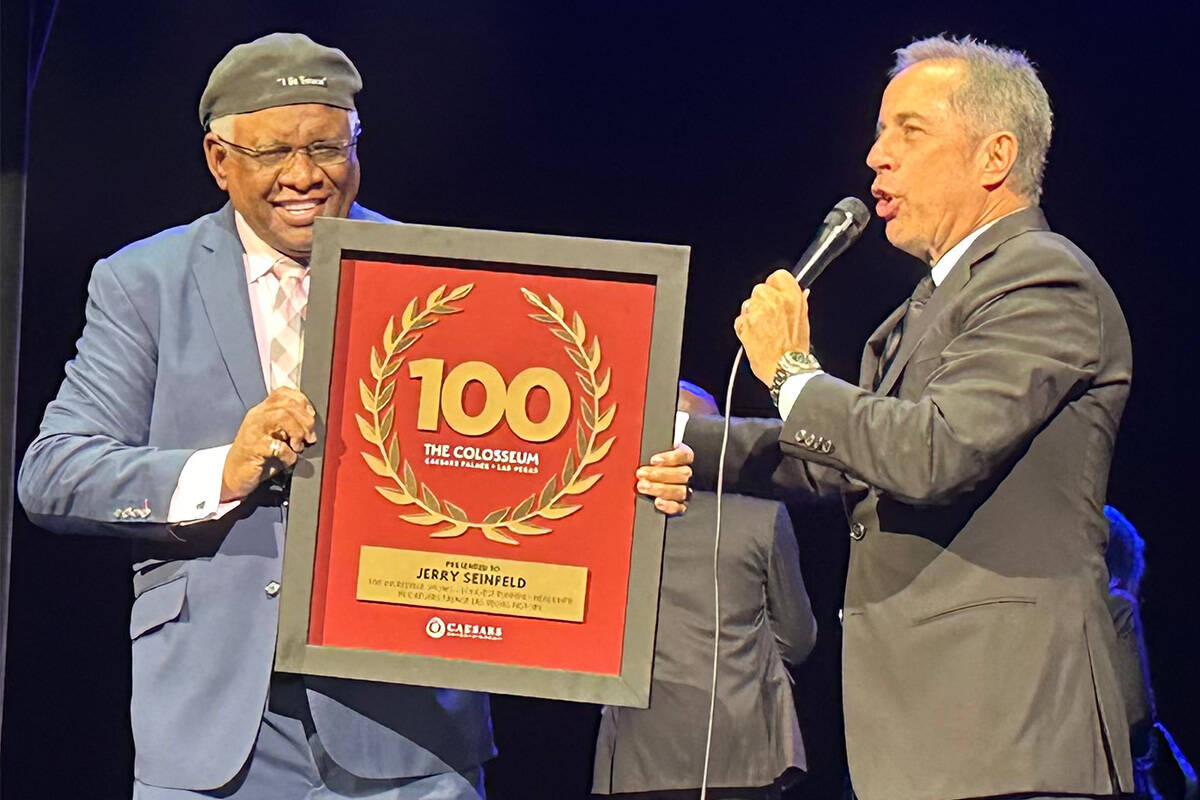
x: 952, y: 256
x: 260, y: 256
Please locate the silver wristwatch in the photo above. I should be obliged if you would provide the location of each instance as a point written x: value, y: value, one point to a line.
x: 793, y: 362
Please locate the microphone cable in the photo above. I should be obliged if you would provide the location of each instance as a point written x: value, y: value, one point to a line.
x: 841, y: 228
x: 712, y: 702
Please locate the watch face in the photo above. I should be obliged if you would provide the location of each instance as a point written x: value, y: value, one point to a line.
x: 795, y: 360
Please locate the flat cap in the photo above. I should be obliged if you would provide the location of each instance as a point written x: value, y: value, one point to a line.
x: 280, y: 69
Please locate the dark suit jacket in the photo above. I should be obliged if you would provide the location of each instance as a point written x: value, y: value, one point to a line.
x: 168, y: 364
x: 977, y: 649
x: 766, y: 622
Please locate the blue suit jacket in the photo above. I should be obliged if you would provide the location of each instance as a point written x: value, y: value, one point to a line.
x: 168, y: 364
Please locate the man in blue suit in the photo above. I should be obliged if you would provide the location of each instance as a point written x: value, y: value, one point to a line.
x: 175, y: 427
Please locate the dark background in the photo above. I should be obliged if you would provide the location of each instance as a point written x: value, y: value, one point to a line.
x: 726, y: 127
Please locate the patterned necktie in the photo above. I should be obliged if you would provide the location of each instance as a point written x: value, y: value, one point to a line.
x: 287, y: 323
x: 891, y: 345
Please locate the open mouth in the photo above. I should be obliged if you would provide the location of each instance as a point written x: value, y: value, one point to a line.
x: 886, y: 204
x: 300, y: 212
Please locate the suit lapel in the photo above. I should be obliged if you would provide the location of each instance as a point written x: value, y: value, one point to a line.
x: 1006, y: 228
x: 873, y: 350
x: 914, y: 334
x: 221, y: 278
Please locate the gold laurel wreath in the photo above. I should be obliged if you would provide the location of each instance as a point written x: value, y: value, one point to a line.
x: 515, y: 519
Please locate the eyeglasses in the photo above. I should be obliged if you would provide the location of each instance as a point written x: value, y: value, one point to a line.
x: 323, y: 154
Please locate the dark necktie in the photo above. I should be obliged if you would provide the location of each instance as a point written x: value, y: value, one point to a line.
x: 891, y: 345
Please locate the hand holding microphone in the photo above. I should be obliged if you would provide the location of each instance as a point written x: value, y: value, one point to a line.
x: 774, y: 320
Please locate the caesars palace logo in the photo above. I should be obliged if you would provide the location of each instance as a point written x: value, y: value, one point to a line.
x: 441, y: 400
x: 437, y: 628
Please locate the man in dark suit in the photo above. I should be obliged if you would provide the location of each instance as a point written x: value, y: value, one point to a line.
x: 767, y: 624
x: 176, y: 421
x: 972, y: 455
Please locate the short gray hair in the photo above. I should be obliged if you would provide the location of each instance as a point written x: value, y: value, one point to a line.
x: 1002, y: 91
x: 223, y: 126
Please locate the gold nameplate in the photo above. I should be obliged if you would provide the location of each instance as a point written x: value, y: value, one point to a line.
x: 472, y: 583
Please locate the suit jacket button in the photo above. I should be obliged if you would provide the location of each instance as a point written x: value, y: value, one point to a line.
x: 858, y: 531
x: 799, y: 437
x: 826, y: 446
x: 272, y: 588
x: 810, y: 440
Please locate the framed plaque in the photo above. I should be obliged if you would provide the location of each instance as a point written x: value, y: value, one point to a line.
x: 468, y: 517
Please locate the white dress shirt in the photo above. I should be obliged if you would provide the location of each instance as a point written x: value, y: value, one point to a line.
x: 197, y: 495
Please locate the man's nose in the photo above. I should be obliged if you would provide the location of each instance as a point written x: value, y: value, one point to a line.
x: 299, y: 171
x: 879, y: 156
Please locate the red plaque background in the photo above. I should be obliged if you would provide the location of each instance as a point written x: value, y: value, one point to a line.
x: 494, y: 326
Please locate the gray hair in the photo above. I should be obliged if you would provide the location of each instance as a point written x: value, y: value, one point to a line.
x: 1002, y: 92
x: 223, y: 126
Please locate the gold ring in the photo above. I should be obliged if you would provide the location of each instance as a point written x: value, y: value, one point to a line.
x: 276, y: 448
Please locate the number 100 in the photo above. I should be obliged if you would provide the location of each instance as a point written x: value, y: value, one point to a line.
x: 442, y: 398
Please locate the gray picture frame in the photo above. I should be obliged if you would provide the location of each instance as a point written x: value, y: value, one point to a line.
x: 337, y: 239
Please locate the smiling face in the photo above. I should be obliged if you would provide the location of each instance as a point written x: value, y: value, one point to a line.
x: 280, y: 203
x: 930, y: 180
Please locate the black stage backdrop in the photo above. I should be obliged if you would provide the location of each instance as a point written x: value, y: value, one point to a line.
x: 728, y: 129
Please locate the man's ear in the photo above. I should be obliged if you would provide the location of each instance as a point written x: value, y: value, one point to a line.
x: 215, y: 156
x: 997, y: 154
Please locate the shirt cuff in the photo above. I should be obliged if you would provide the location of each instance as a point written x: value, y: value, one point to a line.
x: 197, y: 494
x: 790, y: 391
x: 681, y: 419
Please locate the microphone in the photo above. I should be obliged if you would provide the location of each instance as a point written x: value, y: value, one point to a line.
x: 841, y: 228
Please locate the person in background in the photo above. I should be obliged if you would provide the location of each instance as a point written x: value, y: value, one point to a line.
x: 767, y: 623
x: 1126, y: 559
